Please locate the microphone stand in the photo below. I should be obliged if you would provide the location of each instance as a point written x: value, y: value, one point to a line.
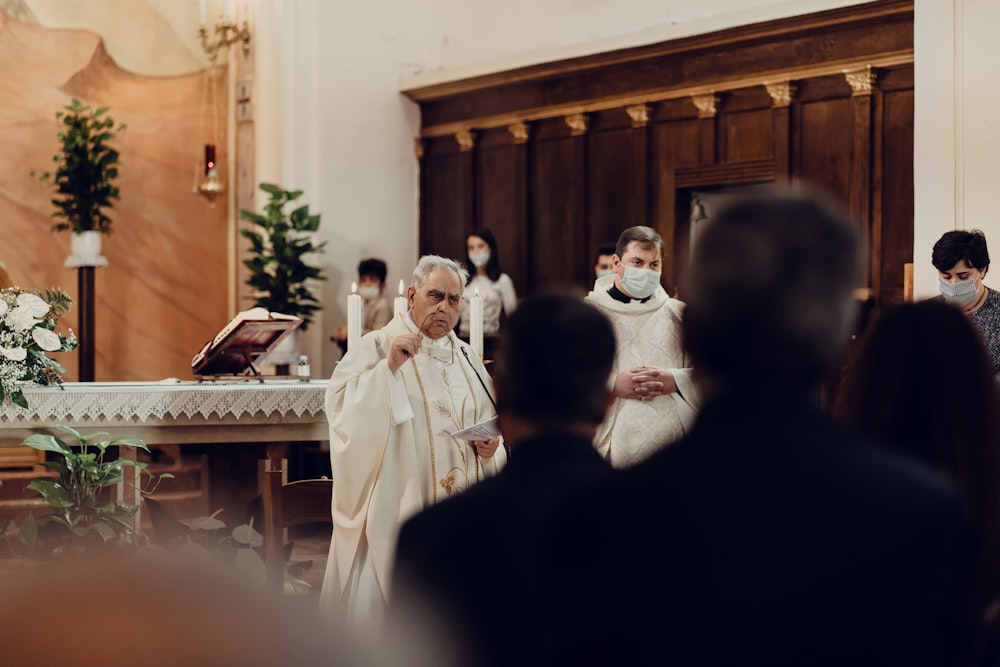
x: 485, y: 389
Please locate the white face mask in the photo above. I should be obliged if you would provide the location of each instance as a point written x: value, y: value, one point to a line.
x: 480, y: 259
x: 961, y: 293
x: 604, y: 272
x: 640, y: 283
x: 369, y: 292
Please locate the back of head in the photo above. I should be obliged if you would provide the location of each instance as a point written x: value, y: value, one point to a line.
x: 923, y: 384
x: 555, y: 359
x: 958, y: 245
x: 770, y: 295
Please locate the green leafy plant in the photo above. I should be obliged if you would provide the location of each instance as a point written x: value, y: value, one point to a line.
x: 87, y: 167
x: 279, y: 274
x: 83, y: 515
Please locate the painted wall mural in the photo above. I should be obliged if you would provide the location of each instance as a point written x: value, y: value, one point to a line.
x: 165, y: 290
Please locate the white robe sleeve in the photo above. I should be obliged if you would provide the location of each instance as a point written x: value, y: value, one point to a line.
x: 372, y: 465
x: 508, y: 296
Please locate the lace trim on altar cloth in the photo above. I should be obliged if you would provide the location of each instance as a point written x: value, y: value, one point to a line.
x: 110, y: 401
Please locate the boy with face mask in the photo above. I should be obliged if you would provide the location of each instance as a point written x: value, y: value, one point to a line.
x: 377, y: 309
x: 962, y: 259
x: 655, y: 401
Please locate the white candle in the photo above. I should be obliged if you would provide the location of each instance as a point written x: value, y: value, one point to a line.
x: 230, y: 11
x: 354, y: 305
x: 399, y: 305
x: 201, y: 12
x: 476, y: 323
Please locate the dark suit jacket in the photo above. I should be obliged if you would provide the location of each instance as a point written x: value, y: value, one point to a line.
x: 474, y: 558
x: 767, y: 537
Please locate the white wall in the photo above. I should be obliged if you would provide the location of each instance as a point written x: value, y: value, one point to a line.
x: 330, y: 121
x: 957, y: 128
x: 469, y: 37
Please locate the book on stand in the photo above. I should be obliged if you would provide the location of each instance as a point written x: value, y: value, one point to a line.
x: 243, y: 344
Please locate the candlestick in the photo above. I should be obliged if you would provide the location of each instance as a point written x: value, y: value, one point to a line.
x: 354, y: 305
x: 399, y: 304
x: 476, y: 323
x: 209, y: 157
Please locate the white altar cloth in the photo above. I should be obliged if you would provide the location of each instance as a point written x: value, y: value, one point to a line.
x: 175, y: 412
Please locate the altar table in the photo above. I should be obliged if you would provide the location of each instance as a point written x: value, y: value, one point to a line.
x: 275, y: 412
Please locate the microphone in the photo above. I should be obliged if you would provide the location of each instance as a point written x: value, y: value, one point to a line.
x: 478, y: 377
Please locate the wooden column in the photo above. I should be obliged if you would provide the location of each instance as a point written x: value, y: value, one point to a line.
x: 862, y: 83
x: 86, y: 304
x: 781, y: 94
x: 707, y: 135
x: 641, y: 200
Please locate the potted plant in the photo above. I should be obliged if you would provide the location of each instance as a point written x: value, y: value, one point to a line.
x: 83, y: 515
x: 85, y: 174
x: 279, y: 274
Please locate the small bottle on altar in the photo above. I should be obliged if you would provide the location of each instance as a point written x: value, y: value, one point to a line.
x: 303, y: 368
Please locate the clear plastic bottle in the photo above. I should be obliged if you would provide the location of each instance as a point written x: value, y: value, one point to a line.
x: 303, y: 368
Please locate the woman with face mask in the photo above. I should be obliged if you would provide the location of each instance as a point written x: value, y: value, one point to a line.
x: 962, y: 259
x: 496, y: 289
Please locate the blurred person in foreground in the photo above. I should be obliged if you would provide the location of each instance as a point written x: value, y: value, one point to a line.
x: 470, y: 562
x: 394, y: 405
x: 962, y: 260
x: 655, y: 400
x: 922, y: 384
x: 160, y: 609
x: 768, y: 535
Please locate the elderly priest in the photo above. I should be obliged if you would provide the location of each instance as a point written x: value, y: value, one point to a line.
x: 397, y: 404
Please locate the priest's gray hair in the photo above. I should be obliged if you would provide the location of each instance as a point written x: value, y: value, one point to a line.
x: 428, y: 263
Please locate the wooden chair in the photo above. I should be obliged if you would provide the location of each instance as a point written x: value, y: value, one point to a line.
x: 297, y: 503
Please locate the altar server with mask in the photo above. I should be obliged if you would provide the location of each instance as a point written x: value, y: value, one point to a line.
x: 655, y: 398
x: 393, y: 403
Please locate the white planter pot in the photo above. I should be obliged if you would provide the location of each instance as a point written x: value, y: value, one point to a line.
x: 286, y: 352
x: 86, y: 248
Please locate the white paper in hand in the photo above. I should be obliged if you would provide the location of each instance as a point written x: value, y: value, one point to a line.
x: 481, y: 431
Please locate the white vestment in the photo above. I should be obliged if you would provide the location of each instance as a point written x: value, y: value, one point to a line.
x: 392, y: 455
x: 647, y: 334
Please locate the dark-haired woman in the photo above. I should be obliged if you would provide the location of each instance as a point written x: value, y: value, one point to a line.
x: 923, y: 385
x: 962, y: 259
x: 496, y: 289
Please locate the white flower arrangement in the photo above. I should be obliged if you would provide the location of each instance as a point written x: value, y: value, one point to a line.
x: 28, y: 321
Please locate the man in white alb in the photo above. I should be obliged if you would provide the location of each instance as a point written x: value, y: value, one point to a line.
x: 655, y: 400
x: 393, y: 402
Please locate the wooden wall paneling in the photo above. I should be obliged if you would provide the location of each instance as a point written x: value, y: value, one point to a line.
x: 502, y: 200
x: 824, y: 144
x: 447, y: 201
x: 896, y: 193
x: 557, y: 192
x: 746, y: 126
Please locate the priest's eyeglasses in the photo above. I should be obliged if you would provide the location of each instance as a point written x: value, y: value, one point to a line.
x: 438, y: 296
